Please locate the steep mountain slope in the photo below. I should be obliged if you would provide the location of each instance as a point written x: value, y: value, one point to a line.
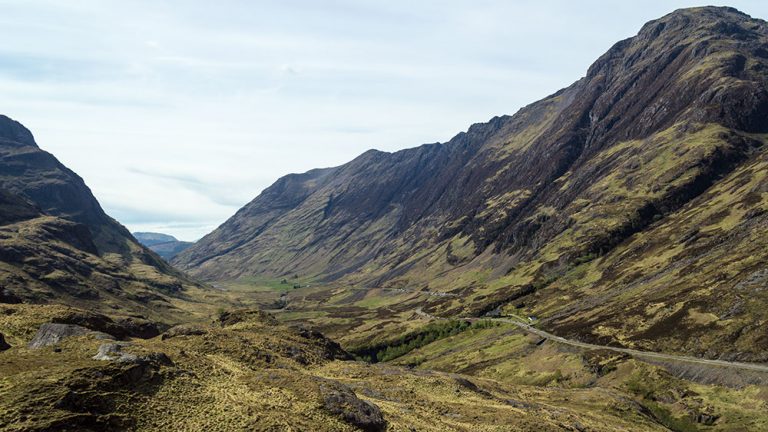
x: 165, y: 245
x: 618, y: 171
x: 36, y: 175
x: 58, y: 245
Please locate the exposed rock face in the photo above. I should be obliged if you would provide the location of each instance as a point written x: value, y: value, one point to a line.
x: 13, y: 208
x: 51, y: 334
x: 8, y: 297
x: 340, y: 400
x: 502, y: 183
x: 332, y: 349
x: 182, y: 330
x: 659, y: 122
x: 121, y: 328
x: 57, y: 244
x: 114, y: 352
x: 39, y: 177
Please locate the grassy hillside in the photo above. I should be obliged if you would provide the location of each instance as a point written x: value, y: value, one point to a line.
x: 626, y: 208
x: 243, y: 370
x: 57, y: 246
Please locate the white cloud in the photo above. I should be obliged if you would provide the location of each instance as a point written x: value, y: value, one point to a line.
x: 176, y: 113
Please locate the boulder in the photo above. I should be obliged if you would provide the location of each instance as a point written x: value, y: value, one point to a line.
x: 138, y: 327
x: 114, y: 352
x: 341, y: 401
x: 52, y: 333
x: 120, y: 328
x: 182, y: 330
x: 3, y: 344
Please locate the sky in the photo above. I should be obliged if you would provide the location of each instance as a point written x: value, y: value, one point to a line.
x: 178, y: 113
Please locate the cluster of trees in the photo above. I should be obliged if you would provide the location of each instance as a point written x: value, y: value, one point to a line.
x: 401, y: 346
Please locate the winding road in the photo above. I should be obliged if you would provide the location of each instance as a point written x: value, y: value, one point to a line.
x: 634, y: 353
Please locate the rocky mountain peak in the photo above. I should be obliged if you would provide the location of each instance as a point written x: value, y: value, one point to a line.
x: 715, y: 20
x: 509, y: 185
x: 12, y: 131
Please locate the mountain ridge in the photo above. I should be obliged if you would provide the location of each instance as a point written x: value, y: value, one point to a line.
x: 481, y: 131
x: 167, y: 246
x: 504, y: 210
x: 619, y: 265
x: 57, y: 245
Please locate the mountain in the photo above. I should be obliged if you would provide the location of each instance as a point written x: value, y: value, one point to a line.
x: 39, y: 177
x: 165, y: 245
x: 151, y: 239
x: 58, y: 246
x: 628, y: 208
x: 622, y: 211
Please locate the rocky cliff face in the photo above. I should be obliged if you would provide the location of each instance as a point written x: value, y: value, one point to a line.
x: 58, y: 245
x: 513, y: 207
x: 37, y: 176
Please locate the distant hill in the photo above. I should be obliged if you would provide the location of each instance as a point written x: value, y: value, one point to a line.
x: 167, y: 246
x: 150, y: 238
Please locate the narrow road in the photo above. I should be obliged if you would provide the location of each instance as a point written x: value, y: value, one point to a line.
x: 635, y: 353
x: 409, y: 291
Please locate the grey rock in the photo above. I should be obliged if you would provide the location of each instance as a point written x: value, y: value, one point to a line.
x: 120, y: 328
x: 51, y: 334
x: 580, y: 427
x: 705, y: 418
x: 114, y: 352
x: 157, y: 358
x: 182, y: 330
x: 341, y: 401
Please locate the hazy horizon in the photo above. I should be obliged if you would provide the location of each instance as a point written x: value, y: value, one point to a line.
x: 177, y: 114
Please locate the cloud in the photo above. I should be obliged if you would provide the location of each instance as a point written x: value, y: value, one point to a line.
x: 176, y: 112
x: 219, y: 193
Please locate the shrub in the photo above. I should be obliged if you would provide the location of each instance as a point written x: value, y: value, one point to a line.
x: 402, y: 345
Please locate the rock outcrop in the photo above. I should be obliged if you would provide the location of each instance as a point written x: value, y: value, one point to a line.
x: 114, y: 352
x: 340, y: 400
x: 50, y: 334
x: 58, y: 245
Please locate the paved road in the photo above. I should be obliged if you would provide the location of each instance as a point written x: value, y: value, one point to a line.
x: 410, y: 291
x: 635, y: 353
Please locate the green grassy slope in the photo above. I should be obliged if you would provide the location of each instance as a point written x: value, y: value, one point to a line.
x: 582, y: 208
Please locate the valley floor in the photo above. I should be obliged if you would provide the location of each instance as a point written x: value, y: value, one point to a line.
x: 647, y: 390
